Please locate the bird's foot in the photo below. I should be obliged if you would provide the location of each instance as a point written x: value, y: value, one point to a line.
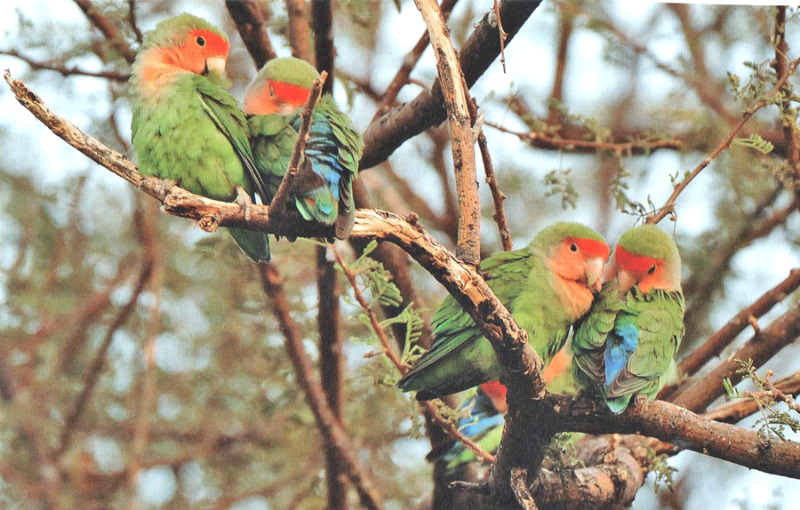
x: 244, y: 201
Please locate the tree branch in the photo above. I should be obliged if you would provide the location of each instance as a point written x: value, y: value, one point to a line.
x: 669, y: 205
x: 328, y: 424
x: 463, y: 146
x: 738, y: 409
x: 66, y: 70
x: 299, y: 29
x: 409, y: 62
x: 725, y: 335
x: 760, y: 348
x: 252, y: 27
x: 108, y: 29
x: 388, y: 132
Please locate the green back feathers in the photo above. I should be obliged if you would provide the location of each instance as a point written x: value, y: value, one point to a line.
x: 293, y: 71
x: 172, y: 31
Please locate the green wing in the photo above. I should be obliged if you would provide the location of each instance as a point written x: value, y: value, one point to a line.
x: 591, y: 333
x: 224, y: 111
x: 272, y: 138
x: 229, y: 119
x: 461, y: 357
x: 658, y: 316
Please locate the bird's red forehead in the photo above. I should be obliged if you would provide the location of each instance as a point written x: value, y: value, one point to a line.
x: 494, y: 389
x: 591, y: 247
x: 635, y: 263
x: 292, y: 94
x: 215, y: 44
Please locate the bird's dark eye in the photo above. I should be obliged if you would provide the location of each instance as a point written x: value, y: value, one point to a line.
x: 573, y: 247
x: 200, y: 41
x: 651, y: 270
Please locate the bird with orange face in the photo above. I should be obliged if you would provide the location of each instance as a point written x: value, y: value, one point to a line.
x: 186, y: 127
x: 546, y: 286
x: 626, y: 344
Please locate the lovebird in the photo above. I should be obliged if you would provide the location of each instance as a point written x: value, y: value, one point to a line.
x: 483, y: 423
x: 323, y: 188
x: 186, y: 127
x: 626, y: 344
x: 546, y: 286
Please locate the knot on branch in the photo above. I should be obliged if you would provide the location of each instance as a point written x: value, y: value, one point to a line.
x: 209, y: 223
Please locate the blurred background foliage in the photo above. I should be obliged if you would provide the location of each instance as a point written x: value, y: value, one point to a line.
x: 228, y: 424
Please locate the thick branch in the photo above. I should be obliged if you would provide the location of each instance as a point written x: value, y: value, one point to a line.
x: 461, y: 141
x: 252, y: 26
x: 299, y: 29
x: 387, y: 133
x: 673, y: 424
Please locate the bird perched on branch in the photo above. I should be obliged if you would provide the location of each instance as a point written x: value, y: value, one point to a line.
x: 323, y: 188
x: 546, y: 286
x: 186, y: 127
x: 626, y: 344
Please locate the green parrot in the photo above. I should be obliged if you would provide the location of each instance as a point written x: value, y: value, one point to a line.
x: 546, y: 286
x: 186, y: 127
x: 626, y: 344
x: 323, y: 188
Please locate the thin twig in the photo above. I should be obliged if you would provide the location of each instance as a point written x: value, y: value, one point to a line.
x: 669, y: 205
x: 545, y: 140
x: 93, y: 373
x: 278, y: 203
x: 108, y: 29
x: 502, y: 35
x: 401, y: 78
x: 401, y: 367
x: 132, y: 21
x: 66, y: 70
x: 498, y: 197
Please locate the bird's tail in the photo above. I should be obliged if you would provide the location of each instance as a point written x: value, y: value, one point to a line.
x: 254, y: 244
x: 318, y: 204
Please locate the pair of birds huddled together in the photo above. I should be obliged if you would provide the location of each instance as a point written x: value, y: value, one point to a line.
x: 624, y: 338
x: 186, y: 127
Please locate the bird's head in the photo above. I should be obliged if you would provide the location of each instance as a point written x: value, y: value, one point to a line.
x: 575, y: 253
x: 281, y: 86
x: 648, y: 257
x: 181, y: 44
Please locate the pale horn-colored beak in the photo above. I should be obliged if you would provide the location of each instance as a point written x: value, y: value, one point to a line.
x: 216, y: 65
x: 594, y: 273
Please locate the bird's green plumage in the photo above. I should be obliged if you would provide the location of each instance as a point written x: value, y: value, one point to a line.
x: 323, y: 188
x: 192, y: 131
x: 461, y: 357
x: 645, y: 327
